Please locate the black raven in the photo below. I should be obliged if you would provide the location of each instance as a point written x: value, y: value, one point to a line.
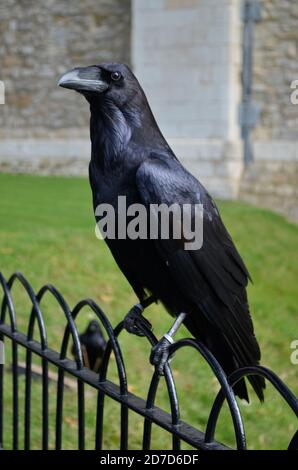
x: 93, y: 346
x: 131, y: 158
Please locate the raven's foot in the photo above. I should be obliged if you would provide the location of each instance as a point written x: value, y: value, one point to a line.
x: 135, y: 322
x: 160, y: 353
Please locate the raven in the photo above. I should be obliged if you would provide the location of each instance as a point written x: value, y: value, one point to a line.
x: 93, y: 346
x: 131, y: 158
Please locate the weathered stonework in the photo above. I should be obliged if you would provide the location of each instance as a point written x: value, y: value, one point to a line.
x: 41, y: 40
x: 272, y: 179
x: 275, y: 67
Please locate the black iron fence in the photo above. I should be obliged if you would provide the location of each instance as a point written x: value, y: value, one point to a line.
x: 179, y: 430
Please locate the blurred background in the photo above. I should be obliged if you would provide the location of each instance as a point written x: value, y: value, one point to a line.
x: 193, y: 59
x: 220, y: 77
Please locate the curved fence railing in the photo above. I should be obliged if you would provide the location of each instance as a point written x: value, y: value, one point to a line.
x: 129, y: 402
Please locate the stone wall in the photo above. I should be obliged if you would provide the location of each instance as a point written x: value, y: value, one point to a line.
x: 272, y: 180
x: 275, y: 67
x: 39, y: 40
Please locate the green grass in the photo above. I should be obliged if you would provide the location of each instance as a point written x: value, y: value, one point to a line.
x: 47, y: 232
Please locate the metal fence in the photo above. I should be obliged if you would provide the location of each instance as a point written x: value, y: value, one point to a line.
x: 129, y: 403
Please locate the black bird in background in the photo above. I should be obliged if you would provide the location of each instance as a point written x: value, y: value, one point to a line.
x: 93, y: 346
x: 131, y: 158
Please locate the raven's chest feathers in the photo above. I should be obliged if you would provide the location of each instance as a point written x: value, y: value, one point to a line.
x: 114, y: 156
x: 108, y: 186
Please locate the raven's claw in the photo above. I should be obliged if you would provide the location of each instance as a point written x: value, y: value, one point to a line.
x: 135, y: 322
x: 160, y: 354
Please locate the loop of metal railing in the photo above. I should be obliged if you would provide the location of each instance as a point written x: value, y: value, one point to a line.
x: 70, y: 326
x: 175, y: 415
x: 223, y: 381
x: 175, y: 412
x: 112, y: 341
x: 294, y: 442
x: 101, y: 400
x: 277, y: 383
x: 110, y: 333
x: 172, y: 393
x: 50, y: 289
x: 7, y: 303
x: 35, y: 313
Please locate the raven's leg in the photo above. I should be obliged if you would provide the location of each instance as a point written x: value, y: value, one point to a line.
x: 135, y: 322
x: 160, y: 352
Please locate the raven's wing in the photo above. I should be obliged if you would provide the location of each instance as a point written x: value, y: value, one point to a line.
x: 214, y: 277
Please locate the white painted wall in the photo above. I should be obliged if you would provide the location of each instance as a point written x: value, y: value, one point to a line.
x: 186, y: 54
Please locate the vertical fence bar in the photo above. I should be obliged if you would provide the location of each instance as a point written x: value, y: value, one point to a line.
x: 149, y: 404
x: 27, y: 422
x: 45, y: 404
x: 123, y: 389
x: 15, y: 388
x: 1, y: 399
x: 124, y: 428
x: 81, y: 415
x: 99, y: 424
x: 59, y: 410
x: 99, y: 420
x: 7, y: 306
x: 175, y: 413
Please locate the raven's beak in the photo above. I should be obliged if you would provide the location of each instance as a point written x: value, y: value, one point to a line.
x: 84, y: 79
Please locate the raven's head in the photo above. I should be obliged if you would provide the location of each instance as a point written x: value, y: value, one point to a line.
x: 119, y: 108
x: 113, y: 82
x: 93, y: 327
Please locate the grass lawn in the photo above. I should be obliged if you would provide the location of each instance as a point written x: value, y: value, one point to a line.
x: 47, y: 232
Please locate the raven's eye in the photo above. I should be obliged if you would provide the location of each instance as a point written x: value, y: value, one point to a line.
x: 115, y: 76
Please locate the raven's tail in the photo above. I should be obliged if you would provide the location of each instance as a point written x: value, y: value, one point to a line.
x: 221, y: 350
